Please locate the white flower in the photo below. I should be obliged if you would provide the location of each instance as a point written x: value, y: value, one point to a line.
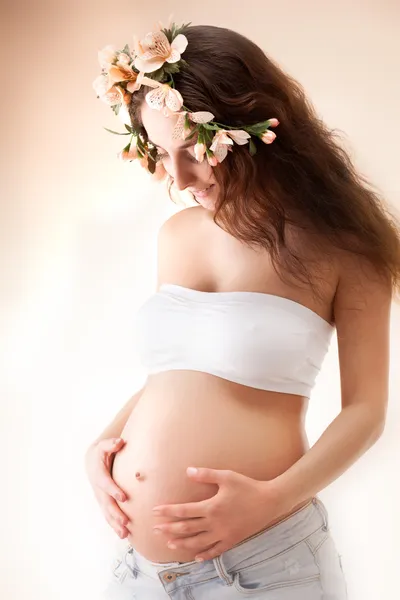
x: 155, y: 50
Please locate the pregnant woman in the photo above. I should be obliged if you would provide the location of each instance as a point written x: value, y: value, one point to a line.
x: 285, y: 246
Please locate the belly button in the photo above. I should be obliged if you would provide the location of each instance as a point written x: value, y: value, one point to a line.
x: 138, y: 475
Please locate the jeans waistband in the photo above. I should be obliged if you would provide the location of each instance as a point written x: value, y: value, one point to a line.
x: 263, y: 545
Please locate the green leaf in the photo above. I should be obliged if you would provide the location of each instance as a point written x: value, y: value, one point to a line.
x: 257, y: 128
x: 140, y: 145
x: 130, y: 129
x: 171, y: 68
x: 115, y: 108
x: 126, y: 50
x: 116, y: 132
x: 157, y: 75
x: 211, y: 127
x: 182, y: 27
x: 252, y: 147
x: 191, y: 135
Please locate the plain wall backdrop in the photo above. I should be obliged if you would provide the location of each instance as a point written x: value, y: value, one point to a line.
x: 78, y: 257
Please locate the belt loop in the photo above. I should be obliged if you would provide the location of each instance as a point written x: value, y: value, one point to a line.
x: 323, y: 512
x: 222, y: 572
x: 130, y: 556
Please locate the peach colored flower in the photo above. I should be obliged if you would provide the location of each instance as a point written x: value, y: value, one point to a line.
x: 134, y: 86
x: 144, y: 162
x: 164, y: 98
x: 222, y: 141
x: 160, y: 173
x: 179, y: 131
x: 106, y: 91
x: 213, y: 160
x: 154, y: 50
x: 199, y: 151
x: 268, y: 137
x: 107, y: 56
x: 124, y: 73
x: 239, y: 136
x: 124, y: 116
x: 123, y: 59
x: 219, y: 144
x: 201, y: 116
x: 130, y: 154
x: 273, y: 122
x: 101, y: 85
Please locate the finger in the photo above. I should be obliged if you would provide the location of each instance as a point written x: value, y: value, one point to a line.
x: 197, y: 543
x: 182, y: 528
x: 116, y: 513
x: 110, y: 445
x: 215, y: 551
x: 120, y: 530
x: 107, y: 485
x: 190, y: 510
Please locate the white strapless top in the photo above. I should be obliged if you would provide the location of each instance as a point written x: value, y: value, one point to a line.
x: 252, y: 338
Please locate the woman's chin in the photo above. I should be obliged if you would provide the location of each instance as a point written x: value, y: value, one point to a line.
x: 208, y: 201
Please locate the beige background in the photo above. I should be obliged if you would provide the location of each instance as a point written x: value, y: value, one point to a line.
x: 78, y: 233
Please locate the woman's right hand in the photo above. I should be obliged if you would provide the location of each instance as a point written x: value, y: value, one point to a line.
x: 98, y: 461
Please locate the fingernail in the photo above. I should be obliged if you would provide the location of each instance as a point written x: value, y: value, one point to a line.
x: 171, y: 545
x: 157, y: 531
x: 120, y: 497
x: 199, y: 559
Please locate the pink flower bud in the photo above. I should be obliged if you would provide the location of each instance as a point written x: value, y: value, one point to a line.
x: 268, y: 137
x: 160, y: 172
x: 130, y: 154
x: 273, y: 122
x: 212, y: 160
x: 144, y: 162
x: 199, y: 151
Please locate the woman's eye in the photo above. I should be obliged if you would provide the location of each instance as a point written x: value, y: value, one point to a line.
x: 161, y: 156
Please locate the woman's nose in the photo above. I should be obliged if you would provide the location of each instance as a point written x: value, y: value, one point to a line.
x: 183, y: 177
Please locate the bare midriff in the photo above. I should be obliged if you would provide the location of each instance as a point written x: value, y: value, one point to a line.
x: 189, y: 418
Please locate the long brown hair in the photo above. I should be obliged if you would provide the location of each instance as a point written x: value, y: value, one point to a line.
x: 304, y: 179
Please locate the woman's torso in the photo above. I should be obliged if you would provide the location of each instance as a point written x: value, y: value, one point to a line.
x: 188, y: 418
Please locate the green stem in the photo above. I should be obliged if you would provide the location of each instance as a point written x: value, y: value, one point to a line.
x: 216, y: 122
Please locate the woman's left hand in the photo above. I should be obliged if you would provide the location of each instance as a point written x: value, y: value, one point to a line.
x: 241, y: 507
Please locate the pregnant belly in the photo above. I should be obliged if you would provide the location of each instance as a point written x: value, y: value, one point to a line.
x: 194, y: 419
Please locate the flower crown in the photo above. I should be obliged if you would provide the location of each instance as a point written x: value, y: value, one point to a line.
x: 159, y: 56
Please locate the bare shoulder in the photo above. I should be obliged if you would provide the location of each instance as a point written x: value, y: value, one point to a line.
x: 179, y: 222
x: 178, y: 240
x: 361, y: 284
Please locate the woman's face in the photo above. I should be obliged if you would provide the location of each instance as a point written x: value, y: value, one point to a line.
x: 178, y: 157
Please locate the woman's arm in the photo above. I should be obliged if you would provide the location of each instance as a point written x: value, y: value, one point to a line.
x: 362, y: 314
x: 347, y: 438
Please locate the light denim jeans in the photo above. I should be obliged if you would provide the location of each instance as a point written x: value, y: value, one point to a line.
x: 295, y: 559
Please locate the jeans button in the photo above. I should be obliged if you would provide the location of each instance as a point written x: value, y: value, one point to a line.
x: 169, y: 577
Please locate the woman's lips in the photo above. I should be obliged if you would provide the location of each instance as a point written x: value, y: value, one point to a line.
x: 205, y: 192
